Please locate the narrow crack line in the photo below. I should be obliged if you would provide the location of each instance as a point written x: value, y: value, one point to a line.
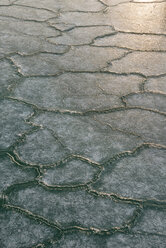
x: 157, y: 93
x: 104, y: 4
x: 146, y: 203
x: 134, y: 218
x: 83, y: 11
x: 13, y: 86
x: 33, y: 216
x: 105, y: 35
x: 22, y: 137
x: 109, y: 63
x: 108, y: 72
x: 146, y: 233
x: 57, y: 138
x: 116, y: 109
x: 156, y: 76
x: 33, y: 106
x: 117, y: 129
x: 22, y: 19
x: 79, y: 26
x: 133, y: 152
x: 37, y: 8
x: 142, y: 86
x: 18, y: 186
x: 149, y: 2
x: 90, y: 44
x: 24, y: 55
x: 135, y: 2
x: 87, y: 160
x: 13, y: 65
x: 118, y: 4
x: 149, y: 92
x: 128, y: 48
x: 142, y: 33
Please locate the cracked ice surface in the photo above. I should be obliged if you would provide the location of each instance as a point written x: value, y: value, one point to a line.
x: 82, y: 123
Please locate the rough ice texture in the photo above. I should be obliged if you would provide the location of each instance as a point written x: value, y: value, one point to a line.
x: 77, y: 208
x: 13, y: 174
x: 74, y: 172
x: 41, y: 147
x: 150, y: 126
x: 82, y: 135
x: 136, y: 176
x: 6, y: 79
x: 55, y: 92
x: 142, y: 42
x: 83, y: 58
x: 152, y: 221
x: 80, y: 240
x: 156, y: 84
x: 12, y: 115
x: 147, y: 100
x: 150, y: 64
x: 87, y: 119
x: 66, y: 5
x: 18, y: 231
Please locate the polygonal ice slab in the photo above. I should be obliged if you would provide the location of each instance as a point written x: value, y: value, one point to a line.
x: 26, y: 13
x: 51, y: 92
x: 12, y: 116
x: 140, y: 42
x: 28, y: 45
x: 81, y: 35
x: 11, y: 173
x: 82, y: 240
x: 152, y: 221
x: 41, y: 147
x: 18, y: 231
x: 139, y: 17
x: 149, y: 100
x: 74, y: 172
x: 87, y: 137
x: 8, y: 76
x: 65, y: 5
x: 141, y: 175
x: 68, y: 91
x: 148, y: 125
x: 72, y: 208
x: 146, y: 63
x: 156, y: 84
x: 83, y: 58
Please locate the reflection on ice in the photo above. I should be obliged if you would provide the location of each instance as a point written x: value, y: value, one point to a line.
x: 140, y: 18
